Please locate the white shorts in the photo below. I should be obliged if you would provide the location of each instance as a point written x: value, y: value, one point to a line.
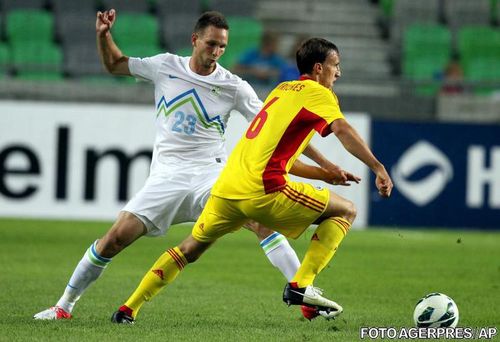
x: 174, y: 194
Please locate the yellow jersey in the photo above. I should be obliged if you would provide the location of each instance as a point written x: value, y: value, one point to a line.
x: 260, y: 162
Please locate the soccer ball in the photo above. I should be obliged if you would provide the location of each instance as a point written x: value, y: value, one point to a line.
x: 436, y: 310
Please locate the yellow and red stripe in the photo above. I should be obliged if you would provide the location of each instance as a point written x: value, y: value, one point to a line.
x: 179, y: 260
x: 297, y: 131
x: 303, y: 199
x: 342, y: 223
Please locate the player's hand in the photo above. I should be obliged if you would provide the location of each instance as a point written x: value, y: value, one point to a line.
x: 337, y: 176
x: 383, y: 183
x: 105, y: 21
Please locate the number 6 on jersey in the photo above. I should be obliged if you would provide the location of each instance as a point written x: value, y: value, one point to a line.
x: 259, y: 120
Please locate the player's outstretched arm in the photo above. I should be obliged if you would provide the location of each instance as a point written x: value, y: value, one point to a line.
x: 333, y: 175
x: 111, y: 57
x: 353, y: 143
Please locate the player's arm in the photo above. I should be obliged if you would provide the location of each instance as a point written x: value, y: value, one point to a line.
x: 315, y: 155
x: 335, y: 176
x: 334, y: 171
x: 353, y: 143
x: 111, y: 57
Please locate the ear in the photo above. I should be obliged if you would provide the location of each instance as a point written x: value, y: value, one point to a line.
x: 318, y: 68
x: 194, y: 37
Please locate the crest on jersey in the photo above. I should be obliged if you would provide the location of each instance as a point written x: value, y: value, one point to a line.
x: 215, y: 90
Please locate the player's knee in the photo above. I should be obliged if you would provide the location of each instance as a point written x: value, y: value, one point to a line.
x: 191, y: 254
x: 192, y: 249
x: 125, y: 231
x: 350, y: 212
x: 260, y: 230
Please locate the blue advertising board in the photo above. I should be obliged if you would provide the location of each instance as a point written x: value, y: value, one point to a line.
x: 445, y: 175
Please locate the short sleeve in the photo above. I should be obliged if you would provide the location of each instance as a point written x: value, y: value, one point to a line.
x: 145, y: 68
x: 247, y: 102
x: 324, y: 103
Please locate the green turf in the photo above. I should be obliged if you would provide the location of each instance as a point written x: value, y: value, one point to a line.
x: 233, y: 294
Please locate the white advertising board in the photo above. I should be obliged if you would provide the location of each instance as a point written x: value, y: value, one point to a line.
x: 82, y: 161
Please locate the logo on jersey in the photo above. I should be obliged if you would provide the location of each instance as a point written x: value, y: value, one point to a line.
x: 190, y: 98
x: 215, y: 90
x: 422, y: 191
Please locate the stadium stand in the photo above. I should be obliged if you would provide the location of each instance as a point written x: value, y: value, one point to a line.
x: 459, y: 13
x: 478, y: 42
x: 37, y: 61
x: 8, y: 5
x: 29, y: 25
x: 176, y: 22
x: 139, y: 32
x: 352, y: 25
x: 4, y: 59
x: 63, y: 7
x: 242, y: 8
x: 135, y: 6
x: 406, y: 13
x: 381, y: 67
x: 426, y: 52
x: 245, y: 33
x: 479, y: 51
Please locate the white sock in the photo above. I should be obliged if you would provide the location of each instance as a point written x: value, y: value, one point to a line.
x: 86, y: 272
x: 281, y: 254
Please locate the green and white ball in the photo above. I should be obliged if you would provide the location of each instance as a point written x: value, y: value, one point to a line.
x: 436, y: 310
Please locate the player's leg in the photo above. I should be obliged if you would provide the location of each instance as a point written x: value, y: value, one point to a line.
x: 275, y: 246
x: 164, y: 271
x: 214, y: 222
x: 277, y: 249
x: 124, y: 231
x: 151, y: 210
x: 334, y: 224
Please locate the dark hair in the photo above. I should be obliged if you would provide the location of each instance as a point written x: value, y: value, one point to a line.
x: 312, y: 51
x: 211, y: 18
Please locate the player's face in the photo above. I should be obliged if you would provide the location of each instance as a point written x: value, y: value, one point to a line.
x: 209, y: 45
x: 330, y: 70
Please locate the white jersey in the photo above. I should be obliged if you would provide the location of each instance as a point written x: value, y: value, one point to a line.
x: 192, y: 110
x: 189, y: 152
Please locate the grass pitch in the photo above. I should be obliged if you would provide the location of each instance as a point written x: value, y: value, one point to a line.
x: 233, y: 294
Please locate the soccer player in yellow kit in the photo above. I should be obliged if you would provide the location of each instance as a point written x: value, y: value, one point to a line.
x: 255, y: 184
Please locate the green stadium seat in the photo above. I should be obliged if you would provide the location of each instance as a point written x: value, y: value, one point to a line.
x: 28, y: 25
x: 387, y: 6
x: 244, y: 33
x: 428, y: 70
x: 141, y: 50
x: 426, y: 39
x: 483, y: 69
x: 37, y: 61
x: 494, y: 10
x: 426, y: 53
x: 4, y: 59
x: 134, y: 29
x: 184, y: 51
x: 478, y: 42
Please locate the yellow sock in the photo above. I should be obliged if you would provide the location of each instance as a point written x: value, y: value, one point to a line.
x: 324, y: 243
x: 163, y: 272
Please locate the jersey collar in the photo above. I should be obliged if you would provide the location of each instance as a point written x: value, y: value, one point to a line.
x: 304, y: 77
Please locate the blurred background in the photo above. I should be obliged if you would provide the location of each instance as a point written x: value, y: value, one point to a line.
x: 424, y: 76
x: 401, y: 59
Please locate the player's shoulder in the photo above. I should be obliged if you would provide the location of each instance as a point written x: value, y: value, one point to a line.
x: 225, y: 76
x: 317, y: 88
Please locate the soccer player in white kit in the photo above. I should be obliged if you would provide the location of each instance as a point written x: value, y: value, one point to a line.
x: 194, y: 96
